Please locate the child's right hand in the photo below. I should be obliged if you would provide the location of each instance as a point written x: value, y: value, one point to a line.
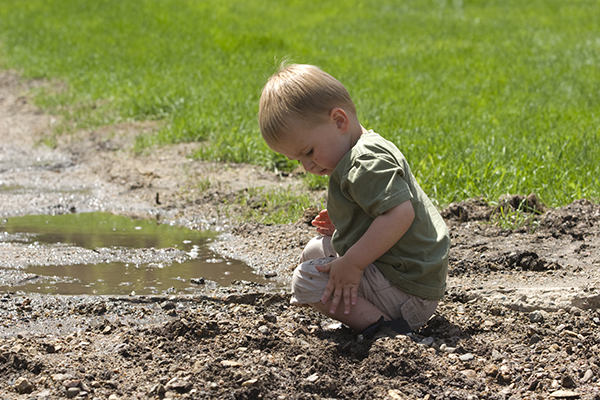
x: 323, y: 223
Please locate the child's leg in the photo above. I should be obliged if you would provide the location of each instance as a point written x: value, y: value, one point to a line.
x: 376, y: 298
x: 308, y: 285
x: 362, y: 315
x: 318, y: 247
x: 394, y: 302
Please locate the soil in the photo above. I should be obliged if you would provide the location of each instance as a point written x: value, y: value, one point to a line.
x: 520, y: 319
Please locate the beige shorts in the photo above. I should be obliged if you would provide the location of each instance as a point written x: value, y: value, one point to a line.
x: 308, y: 286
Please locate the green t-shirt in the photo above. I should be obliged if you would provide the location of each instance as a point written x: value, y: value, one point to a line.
x: 371, y: 179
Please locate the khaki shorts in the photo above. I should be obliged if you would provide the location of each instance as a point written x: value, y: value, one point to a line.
x: 308, y: 286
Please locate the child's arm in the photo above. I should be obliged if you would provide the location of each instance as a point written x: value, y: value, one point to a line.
x: 345, y: 272
x: 323, y: 223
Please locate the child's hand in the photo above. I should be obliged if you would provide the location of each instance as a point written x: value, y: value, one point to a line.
x: 344, y: 280
x: 323, y: 223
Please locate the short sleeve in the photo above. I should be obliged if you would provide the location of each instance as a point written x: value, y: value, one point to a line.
x: 376, y: 183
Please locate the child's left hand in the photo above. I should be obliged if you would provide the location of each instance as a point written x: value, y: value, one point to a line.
x: 323, y: 223
x: 344, y: 280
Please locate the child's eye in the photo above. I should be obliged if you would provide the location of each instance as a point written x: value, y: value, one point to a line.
x: 310, y: 152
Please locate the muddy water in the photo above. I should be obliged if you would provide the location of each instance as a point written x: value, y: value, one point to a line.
x: 136, y: 256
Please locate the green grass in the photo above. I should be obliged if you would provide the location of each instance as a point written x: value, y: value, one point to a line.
x: 273, y: 206
x: 484, y: 97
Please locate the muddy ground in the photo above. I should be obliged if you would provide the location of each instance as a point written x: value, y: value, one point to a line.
x: 520, y: 319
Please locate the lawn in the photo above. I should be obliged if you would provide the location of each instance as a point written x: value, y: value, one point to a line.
x: 484, y: 97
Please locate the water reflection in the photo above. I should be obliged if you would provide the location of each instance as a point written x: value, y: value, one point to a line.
x: 101, y: 230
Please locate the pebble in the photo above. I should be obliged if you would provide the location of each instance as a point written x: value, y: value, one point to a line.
x: 263, y: 329
x: 567, y: 381
x: 395, y: 394
x: 447, y: 349
x: 466, y: 357
x: 229, y: 363
x: 270, y: 318
x: 535, y: 339
x: 564, y: 394
x: 589, y: 374
x: 157, y: 390
x: 313, y: 378
x: 334, y: 326
x: 560, y: 327
x: 469, y: 373
x: 71, y: 383
x: 73, y: 392
x: 491, y: 370
x: 61, y: 377
x: 428, y: 341
x: 536, y: 316
x: 22, y: 385
x: 179, y: 385
x: 249, y: 382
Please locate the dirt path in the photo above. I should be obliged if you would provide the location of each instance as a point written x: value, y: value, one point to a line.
x: 520, y: 319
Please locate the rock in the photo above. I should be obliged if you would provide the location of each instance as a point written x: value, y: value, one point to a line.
x: 313, y: 378
x: 505, y: 374
x: 589, y: 374
x: 179, y: 385
x: 157, y: 390
x: 536, y: 316
x: 263, y: 329
x: 229, y: 363
x: 567, y: 381
x: 71, y: 383
x: 576, y: 311
x: 22, y: 385
x: 469, y: 373
x: 61, y: 377
x: 491, y: 370
x: 533, y: 385
x: 567, y: 394
x: 447, y: 349
x: 560, y: 328
x: 395, y: 394
x: 553, y: 348
x: 250, y: 382
x: 535, y: 339
x: 466, y: 357
x: 73, y: 392
x: 270, y: 318
x: 114, y: 397
x: 168, y: 305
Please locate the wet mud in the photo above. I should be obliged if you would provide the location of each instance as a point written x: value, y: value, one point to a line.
x: 520, y: 318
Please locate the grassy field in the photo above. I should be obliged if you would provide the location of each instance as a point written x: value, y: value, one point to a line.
x: 483, y: 97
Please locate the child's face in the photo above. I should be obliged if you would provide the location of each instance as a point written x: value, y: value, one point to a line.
x: 318, y: 147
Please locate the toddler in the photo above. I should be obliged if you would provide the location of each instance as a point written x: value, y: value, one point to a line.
x: 381, y: 258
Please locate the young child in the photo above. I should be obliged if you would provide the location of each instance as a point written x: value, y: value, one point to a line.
x: 382, y: 258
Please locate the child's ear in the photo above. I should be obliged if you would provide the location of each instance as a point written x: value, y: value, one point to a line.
x: 339, y: 116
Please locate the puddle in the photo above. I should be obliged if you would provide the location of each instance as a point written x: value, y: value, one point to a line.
x: 186, y: 256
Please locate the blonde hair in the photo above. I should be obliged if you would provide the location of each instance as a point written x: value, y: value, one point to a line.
x: 302, y: 92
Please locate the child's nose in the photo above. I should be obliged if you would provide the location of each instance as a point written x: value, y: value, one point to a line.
x: 307, y: 165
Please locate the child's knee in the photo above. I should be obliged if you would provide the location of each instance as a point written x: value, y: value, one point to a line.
x: 317, y: 247
x: 308, y: 284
